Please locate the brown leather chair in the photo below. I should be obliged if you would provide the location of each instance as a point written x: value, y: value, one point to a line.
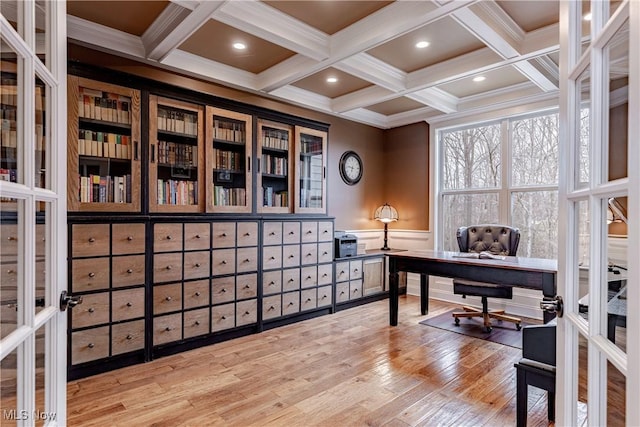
x: 497, y: 240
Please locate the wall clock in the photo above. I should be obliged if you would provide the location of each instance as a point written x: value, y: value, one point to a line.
x: 350, y: 167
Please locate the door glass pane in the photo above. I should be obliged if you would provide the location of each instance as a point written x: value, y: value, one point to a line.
x: 41, y: 11
x: 472, y: 158
x: 586, y: 24
x: 230, y: 162
x: 616, y: 286
x: 583, y: 130
x: 582, y: 250
x: 9, y: 390
x: 466, y: 209
x: 41, y: 133
x: 618, y: 54
x: 311, y: 171
x: 535, y: 213
x: 42, y: 255
x: 40, y: 416
x: 9, y: 104
x: 616, y: 397
x: 9, y: 9
x: 583, y: 357
x: 9, y: 263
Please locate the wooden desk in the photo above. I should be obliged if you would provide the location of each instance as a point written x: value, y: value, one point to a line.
x: 529, y: 273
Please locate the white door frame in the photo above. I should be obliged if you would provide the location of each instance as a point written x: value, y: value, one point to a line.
x: 26, y: 43
x: 572, y: 66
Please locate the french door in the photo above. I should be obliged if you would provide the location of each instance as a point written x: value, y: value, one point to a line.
x: 32, y: 212
x: 598, y: 363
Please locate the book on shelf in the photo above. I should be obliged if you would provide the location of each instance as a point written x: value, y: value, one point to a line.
x: 98, y: 105
x: 173, y: 192
x: 234, y: 196
x: 479, y: 255
x: 104, y: 189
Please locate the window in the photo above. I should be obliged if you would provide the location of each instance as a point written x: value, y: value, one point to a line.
x: 502, y: 172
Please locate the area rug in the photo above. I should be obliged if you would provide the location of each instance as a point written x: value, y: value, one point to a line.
x: 502, y: 333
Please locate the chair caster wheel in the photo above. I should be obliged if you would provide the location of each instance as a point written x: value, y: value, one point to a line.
x: 518, y: 326
x: 457, y: 321
x: 489, y: 329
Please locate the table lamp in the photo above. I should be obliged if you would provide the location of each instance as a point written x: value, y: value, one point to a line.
x: 386, y: 214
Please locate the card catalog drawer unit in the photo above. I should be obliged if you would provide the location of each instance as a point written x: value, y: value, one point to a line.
x: 196, y: 322
x: 167, y: 267
x: 223, y: 317
x: 247, y: 234
x: 223, y: 289
x: 246, y: 286
x: 127, y: 239
x: 127, y: 337
x: 224, y: 235
x: 127, y: 270
x: 127, y: 304
x: 196, y: 294
x: 197, y: 236
x: 94, y: 310
x: 167, y: 328
x: 88, y: 345
x: 167, y: 237
x: 246, y: 312
x: 89, y: 240
x: 89, y: 274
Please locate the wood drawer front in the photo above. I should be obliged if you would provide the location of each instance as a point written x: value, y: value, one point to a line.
x: 325, y: 274
x: 197, y: 236
x: 308, y: 277
x: 355, y: 268
x: 309, y: 231
x: 247, y: 234
x: 223, y: 317
x: 325, y: 231
x: 342, y: 271
x: 271, y: 282
x: 167, y: 237
x: 127, y: 304
x: 290, y: 303
x: 196, y: 264
x: 167, y: 328
x: 127, y: 270
x: 309, y: 253
x: 355, y: 289
x: 196, y: 294
x: 89, y: 345
x: 325, y: 296
x: 224, y: 235
x: 223, y: 262
x: 89, y: 274
x: 271, y: 307
x: 90, y: 240
x: 196, y: 322
x: 41, y: 239
x: 271, y: 257
x: 246, y: 312
x: 127, y: 239
x: 290, y: 256
x: 246, y: 286
x: 223, y: 289
x: 9, y: 276
x: 167, y: 267
x: 291, y: 279
x: 167, y: 298
x: 94, y: 310
x: 9, y: 233
x: 342, y: 292
x: 247, y: 259
x: 126, y: 337
x: 325, y: 252
x: 308, y: 299
x: 272, y: 233
x: 291, y: 232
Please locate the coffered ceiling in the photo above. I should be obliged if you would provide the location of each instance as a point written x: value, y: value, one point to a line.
x: 383, y: 79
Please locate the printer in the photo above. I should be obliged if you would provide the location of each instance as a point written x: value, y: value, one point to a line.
x: 346, y: 245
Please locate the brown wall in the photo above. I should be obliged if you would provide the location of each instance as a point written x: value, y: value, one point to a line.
x: 406, y: 152
x: 352, y: 206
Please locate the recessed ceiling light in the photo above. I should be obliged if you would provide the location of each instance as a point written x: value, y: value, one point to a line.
x: 331, y: 79
x: 239, y: 46
x: 587, y: 16
x: 422, y: 44
x: 479, y: 79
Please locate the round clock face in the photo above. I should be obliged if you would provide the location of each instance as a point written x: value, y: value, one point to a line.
x: 350, y: 167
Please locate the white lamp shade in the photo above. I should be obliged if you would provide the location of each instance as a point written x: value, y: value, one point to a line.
x: 386, y: 213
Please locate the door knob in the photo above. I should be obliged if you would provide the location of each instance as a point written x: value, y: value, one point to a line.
x: 68, y: 301
x: 552, y: 305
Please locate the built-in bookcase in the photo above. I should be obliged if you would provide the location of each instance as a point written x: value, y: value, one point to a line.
x: 229, y: 143
x: 103, y: 146
x: 176, y: 156
x: 310, y: 172
x: 275, y: 168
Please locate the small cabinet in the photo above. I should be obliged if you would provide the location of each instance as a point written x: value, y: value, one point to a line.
x: 229, y: 153
x: 310, y: 170
x: 176, y: 156
x: 103, y: 139
x: 275, y: 169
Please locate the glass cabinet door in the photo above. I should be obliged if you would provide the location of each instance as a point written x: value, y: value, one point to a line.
x: 311, y: 186
x: 103, y: 146
x: 229, y: 143
x: 275, y: 146
x: 176, y: 156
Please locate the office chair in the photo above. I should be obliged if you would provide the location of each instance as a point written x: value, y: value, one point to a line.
x: 498, y: 240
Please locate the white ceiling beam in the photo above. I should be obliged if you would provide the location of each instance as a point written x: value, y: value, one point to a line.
x: 270, y: 24
x: 373, y: 70
x: 173, y: 26
x: 362, y: 98
x: 90, y: 33
x: 367, y: 117
x: 304, y: 98
x: 436, y: 99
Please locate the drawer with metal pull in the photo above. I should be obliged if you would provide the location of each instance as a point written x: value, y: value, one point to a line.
x: 94, y: 310
x: 224, y: 235
x: 247, y: 234
x: 223, y: 289
x: 223, y: 317
x: 167, y: 298
x: 127, y: 304
x: 197, y: 236
x: 196, y: 322
x: 127, y: 337
x: 127, y: 239
x: 89, y: 274
x: 127, y: 270
x: 223, y: 261
x: 167, y: 237
x: 196, y: 265
x: 246, y: 312
x: 89, y: 240
x: 90, y: 344
x: 167, y: 328
x: 246, y: 286
x: 196, y: 294
x: 247, y: 259
x: 167, y: 267
x: 271, y: 307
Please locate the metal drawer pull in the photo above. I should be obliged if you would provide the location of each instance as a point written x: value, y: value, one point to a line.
x: 309, y: 254
x: 92, y: 274
x: 272, y: 233
x: 342, y: 272
x: 342, y: 293
x: 246, y: 287
x: 247, y: 234
x: 324, y: 275
x: 308, y: 277
x: 246, y: 260
x: 129, y: 238
x: 197, y: 294
x: 169, y: 267
x: 197, y: 265
x: 129, y: 337
x: 246, y: 313
x: 271, y: 308
x: 223, y: 261
x: 325, y: 253
x: 291, y: 256
x: 291, y: 233
x: 197, y: 323
x: 355, y: 290
x: 271, y: 283
x: 10, y: 271
x: 224, y: 318
x: 169, y: 237
x: 168, y: 328
x: 90, y: 345
x: 129, y: 271
x: 290, y: 280
x: 323, y: 297
x: 223, y: 290
x: 91, y: 310
x: 129, y: 304
x: 308, y: 300
x: 197, y: 236
x: 355, y: 270
x: 272, y: 258
x: 91, y: 240
x: 168, y: 298
x: 223, y: 235
x: 13, y: 238
x: 309, y: 232
x: 290, y: 303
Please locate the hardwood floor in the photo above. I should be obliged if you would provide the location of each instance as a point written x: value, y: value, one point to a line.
x: 348, y: 368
